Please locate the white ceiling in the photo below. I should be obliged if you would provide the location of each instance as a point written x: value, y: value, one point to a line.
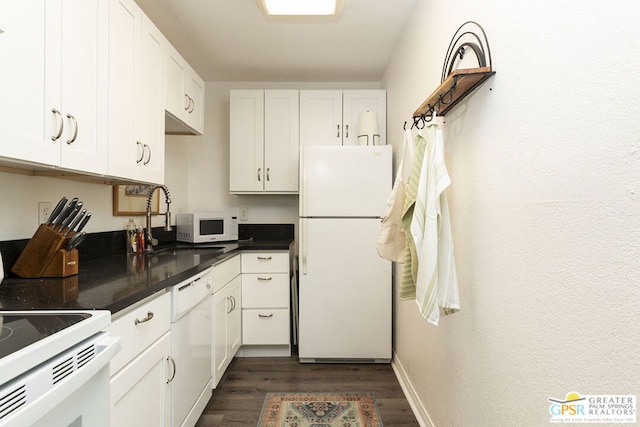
x: 232, y: 40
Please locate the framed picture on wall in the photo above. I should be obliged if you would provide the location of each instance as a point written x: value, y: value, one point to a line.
x: 132, y: 200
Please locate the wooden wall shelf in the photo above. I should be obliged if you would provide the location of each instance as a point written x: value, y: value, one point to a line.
x: 454, y: 89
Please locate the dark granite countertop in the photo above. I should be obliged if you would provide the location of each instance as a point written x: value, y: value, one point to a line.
x: 119, y: 281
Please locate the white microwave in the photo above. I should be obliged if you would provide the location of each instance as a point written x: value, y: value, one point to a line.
x: 207, y: 227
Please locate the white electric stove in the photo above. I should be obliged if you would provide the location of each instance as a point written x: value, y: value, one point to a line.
x: 54, y: 368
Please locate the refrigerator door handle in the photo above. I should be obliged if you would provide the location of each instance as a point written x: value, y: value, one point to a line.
x: 303, y: 167
x: 303, y: 243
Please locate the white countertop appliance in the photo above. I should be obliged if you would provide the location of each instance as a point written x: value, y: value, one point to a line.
x: 191, y: 348
x: 344, y: 285
x: 207, y: 227
x: 54, y: 368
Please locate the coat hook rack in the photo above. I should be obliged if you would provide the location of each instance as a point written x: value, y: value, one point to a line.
x: 457, y: 84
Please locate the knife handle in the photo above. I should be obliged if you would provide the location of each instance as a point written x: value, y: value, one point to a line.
x: 56, y: 211
x: 71, y: 217
x: 75, y: 222
x: 86, y: 219
x: 65, y: 213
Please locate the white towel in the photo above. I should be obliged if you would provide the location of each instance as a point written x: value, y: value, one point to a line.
x: 436, y: 282
x: 391, y: 236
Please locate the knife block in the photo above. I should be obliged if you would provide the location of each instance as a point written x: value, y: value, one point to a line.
x: 46, y: 248
x: 63, y: 264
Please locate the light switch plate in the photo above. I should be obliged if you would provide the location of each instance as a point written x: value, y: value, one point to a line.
x: 244, y: 214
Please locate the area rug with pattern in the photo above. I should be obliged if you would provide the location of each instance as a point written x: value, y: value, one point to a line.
x: 320, y: 410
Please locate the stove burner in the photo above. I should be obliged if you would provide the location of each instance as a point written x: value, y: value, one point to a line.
x: 21, y: 330
x: 5, y: 333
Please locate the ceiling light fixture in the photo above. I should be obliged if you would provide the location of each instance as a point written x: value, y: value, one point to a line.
x: 301, y: 7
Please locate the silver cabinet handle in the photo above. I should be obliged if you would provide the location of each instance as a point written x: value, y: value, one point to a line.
x: 75, y: 129
x: 146, y: 319
x: 346, y: 130
x: 259, y: 174
x: 264, y: 258
x: 148, y: 150
x: 140, y: 145
x: 265, y: 316
x: 338, y: 133
x: 268, y: 174
x: 232, y: 301
x: 188, y: 102
x: 192, y: 104
x: 60, y: 125
x: 265, y: 279
x: 173, y: 362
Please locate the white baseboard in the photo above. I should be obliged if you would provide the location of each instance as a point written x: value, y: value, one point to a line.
x: 418, y: 409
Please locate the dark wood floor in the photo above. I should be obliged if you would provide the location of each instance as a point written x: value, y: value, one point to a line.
x: 238, y: 399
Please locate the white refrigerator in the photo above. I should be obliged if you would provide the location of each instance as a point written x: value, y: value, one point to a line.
x: 344, y: 285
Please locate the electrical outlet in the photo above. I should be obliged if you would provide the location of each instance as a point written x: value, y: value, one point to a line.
x: 244, y: 214
x: 44, y: 210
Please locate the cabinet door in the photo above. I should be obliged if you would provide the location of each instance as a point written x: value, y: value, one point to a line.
x: 321, y: 117
x: 176, y: 79
x: 54, y: 83
x: 246, y: 141
x: 235, y: 317
x: 195, y: 94
x: 281, y: 140
x: 28, y: 124
x: 150, y: 104
x: 359, y: 101
x: 82, y: 52
x: 220, y: 358
x: 126, y: 152
x: 140, y: 394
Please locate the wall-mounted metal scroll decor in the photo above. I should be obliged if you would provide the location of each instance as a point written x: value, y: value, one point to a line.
x: 456, y: 84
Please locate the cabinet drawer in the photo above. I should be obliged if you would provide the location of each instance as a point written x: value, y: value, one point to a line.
x: 225, y: 272
x: 265, y: 326
x: 265, y: 262
x: 265, y: 290
x: 136, y: 332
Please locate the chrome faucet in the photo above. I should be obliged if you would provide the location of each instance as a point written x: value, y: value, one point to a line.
x: 150, y: 242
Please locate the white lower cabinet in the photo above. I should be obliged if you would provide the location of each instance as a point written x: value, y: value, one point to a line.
x: 140, y: 391
x: 226, y: 315
x: 141, y: 373
x: 265, y: 304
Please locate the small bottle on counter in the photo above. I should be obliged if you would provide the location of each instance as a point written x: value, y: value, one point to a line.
x: 139, y: 240
x: 131, y: 236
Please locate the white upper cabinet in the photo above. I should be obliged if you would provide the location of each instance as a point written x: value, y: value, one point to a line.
x: 184, y: 96
x: 264, y: 141
x: 330, y: 117
x: 356, y: 102
x: 27, y: 125
x: 321, y: 117
x: 136, y: 95
x: 54, y: 83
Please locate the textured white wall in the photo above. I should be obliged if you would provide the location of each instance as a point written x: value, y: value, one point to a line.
x: 545, y: 167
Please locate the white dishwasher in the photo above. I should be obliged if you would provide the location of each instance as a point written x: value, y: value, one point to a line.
x: 191, y: 348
